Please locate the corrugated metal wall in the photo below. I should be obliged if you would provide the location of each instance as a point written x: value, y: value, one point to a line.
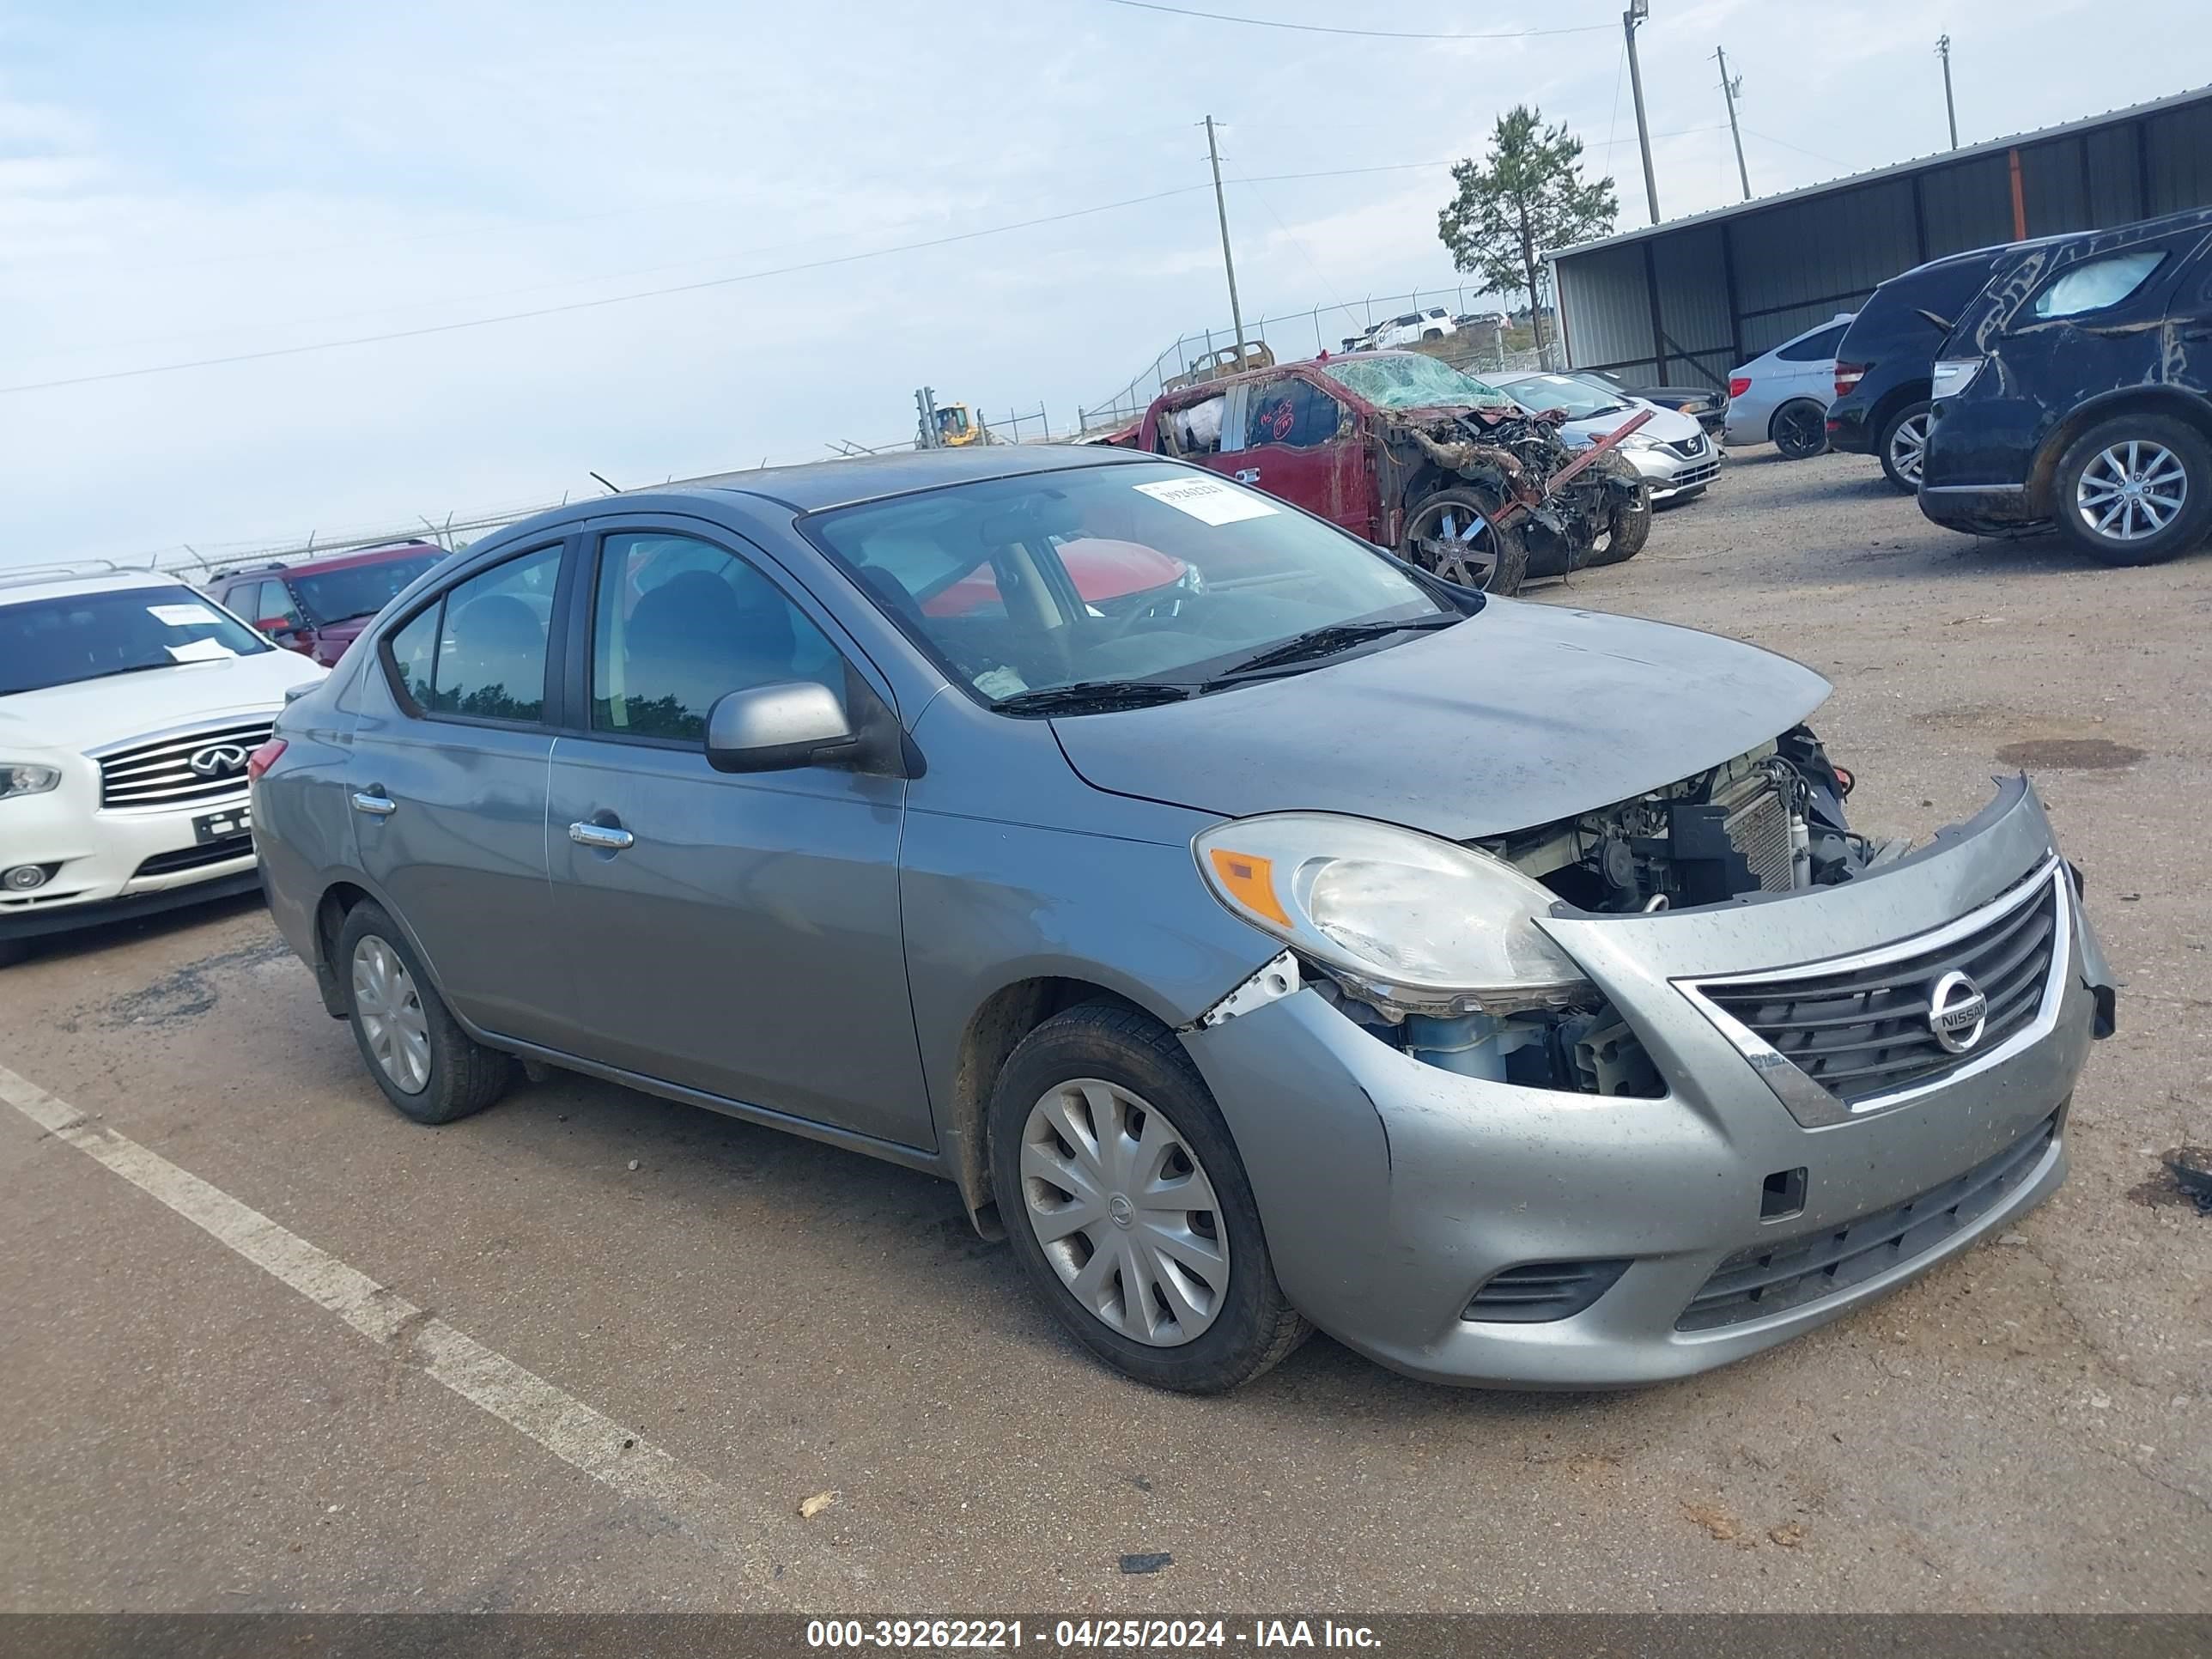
x: 1687, y: 305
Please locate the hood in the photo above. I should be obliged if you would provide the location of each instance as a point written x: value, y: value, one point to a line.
x: 1668, y: 426
x: 1520, y: 715
x: 91, y: 714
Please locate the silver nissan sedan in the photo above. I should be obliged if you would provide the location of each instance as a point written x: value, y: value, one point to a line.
x: 1259, y: 933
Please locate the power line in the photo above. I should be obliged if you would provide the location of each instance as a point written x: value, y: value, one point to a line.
x: 1370, y: 34
x: 681, y: 287
x: 1800, y: 148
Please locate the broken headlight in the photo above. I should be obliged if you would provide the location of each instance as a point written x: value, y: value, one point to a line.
x: 1405, y: 921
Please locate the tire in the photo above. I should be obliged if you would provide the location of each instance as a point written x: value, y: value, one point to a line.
x: 1629, y: 528
x: 1800, y: 429
x: 451, y: 1073
x: 2170, y: 462
x: 1436, y: 541
x: 1094, y: 1072
x: 1903, y: 442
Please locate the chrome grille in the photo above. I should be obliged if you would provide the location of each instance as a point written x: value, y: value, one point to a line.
x: 158, y: 774
x: 1690, y: 448
x: 1861, y: 1028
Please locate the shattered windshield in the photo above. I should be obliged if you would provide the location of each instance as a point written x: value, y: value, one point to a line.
x: 1412, y: 381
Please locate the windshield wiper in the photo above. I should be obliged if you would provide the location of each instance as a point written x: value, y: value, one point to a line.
x: 1092, y: 698
x: 1326, y: 642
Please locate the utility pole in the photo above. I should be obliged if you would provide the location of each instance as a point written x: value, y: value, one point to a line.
x: 1729, y: 89
x: 1950, y: 109
x: 1636, y: 12
x: 1229, y: 265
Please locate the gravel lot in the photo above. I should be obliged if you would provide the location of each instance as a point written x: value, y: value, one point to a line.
x: 2030, y: 1428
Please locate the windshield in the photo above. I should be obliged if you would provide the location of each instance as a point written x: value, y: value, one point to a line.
x: 1412, y: 382
x: 360, y: 590
x: 85, y: 636
x: 1110, y: 574
x: 1578, y: 396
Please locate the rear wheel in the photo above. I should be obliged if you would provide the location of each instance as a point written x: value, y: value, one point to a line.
x: 1903, y: 446
x: 427, y: 1066
x: 1800, y: 429
x: 1128, y: 1208
x: 1452, y: 535
x: 2135, y: 490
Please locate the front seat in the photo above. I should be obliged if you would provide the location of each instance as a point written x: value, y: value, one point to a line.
x: 693, y: 638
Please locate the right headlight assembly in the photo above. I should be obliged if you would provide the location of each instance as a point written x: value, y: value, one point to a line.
x: 1411, y: 923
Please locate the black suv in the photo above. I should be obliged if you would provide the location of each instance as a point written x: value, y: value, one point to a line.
x: 1884, y: 358
x: 2078, y: 388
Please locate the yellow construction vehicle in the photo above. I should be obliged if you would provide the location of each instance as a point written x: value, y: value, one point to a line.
x: 946, y: 426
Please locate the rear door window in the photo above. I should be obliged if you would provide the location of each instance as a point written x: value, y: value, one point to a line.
x: 1813, y: 347
x: 2097, y: 284
x: 479, y: 652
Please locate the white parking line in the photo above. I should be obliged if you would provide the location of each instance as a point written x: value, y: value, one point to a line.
x: 563, y: 1425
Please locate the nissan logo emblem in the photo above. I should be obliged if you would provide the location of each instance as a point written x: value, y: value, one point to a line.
x: 218, y: 760
x: 1957, y: 1011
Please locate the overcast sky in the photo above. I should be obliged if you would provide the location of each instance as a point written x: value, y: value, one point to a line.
x: 238, y: 176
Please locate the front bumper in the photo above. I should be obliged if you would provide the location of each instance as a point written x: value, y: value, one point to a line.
x: 1670, y: 474
x: 104, y: 864
x: 1392, y: 1191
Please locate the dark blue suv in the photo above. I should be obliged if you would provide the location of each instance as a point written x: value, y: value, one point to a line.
x: 2077, y: 390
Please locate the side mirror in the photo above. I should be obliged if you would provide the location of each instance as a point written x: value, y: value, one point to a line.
x: 773, y: 728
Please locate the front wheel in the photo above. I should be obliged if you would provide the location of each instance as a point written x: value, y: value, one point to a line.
x: 1905, y: 447
x: 1628, y: 523
x: 1452, y: 535
x: 1128, y: 1208
x: 1800, y: 429
x: 2135, y: 490
x: 427, y: 1066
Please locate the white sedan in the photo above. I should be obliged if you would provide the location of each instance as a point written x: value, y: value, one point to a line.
x: 1671, y: 450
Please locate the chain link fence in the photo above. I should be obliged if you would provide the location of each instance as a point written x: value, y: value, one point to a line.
x: 1293, y: 336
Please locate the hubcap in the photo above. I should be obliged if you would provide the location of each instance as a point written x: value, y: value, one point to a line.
x: 1908, y: 447
x: 1125, y: 1214
x: 390, y: 1009
x: 1456, y: 544
x: 2131, y: 490
x: 1801, y: 432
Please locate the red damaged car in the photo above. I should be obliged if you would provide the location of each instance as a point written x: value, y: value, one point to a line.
x: 1408, y: 452
x: 318, y: 605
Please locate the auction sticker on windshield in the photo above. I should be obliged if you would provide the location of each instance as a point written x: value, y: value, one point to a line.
x: 1207, y: 500
x: 181, y: 616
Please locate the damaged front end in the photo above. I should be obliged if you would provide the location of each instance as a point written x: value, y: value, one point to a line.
x: 1557, y: 500
x: 1435, y: 949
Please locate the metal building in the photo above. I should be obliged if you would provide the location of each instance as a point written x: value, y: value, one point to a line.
x: 1692, y: 299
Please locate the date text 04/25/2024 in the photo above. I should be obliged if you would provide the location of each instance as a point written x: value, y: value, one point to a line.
x: 1163, y: 1635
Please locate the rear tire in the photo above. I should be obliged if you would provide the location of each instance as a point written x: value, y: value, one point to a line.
x: 1102, y: 1097
x: 1451, y: 534
x: 427, y: 1066
x: 2153, y: 471
x: 1904, y: 442
x: 1800, y: 429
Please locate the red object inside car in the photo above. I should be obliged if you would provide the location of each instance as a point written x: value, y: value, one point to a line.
x: 1100, y: 569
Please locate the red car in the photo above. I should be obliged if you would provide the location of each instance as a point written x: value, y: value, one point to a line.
x: 318, y: 605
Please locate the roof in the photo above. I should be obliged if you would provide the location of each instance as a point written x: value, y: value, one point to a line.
x: 1895, y: 169
x: 317, y: 564
x: 37, y: 583
x: 817, y: 484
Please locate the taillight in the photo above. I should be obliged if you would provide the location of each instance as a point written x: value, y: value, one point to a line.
x: 1738, y: 384
x: 263, y: 758
x: 1847, y: 376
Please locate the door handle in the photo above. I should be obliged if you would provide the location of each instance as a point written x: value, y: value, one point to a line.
x: 374, y: 802
x: 605, y: 837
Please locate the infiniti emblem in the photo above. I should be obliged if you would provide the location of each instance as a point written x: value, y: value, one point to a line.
x: 1957, y: 1011
x: 218, y: 760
